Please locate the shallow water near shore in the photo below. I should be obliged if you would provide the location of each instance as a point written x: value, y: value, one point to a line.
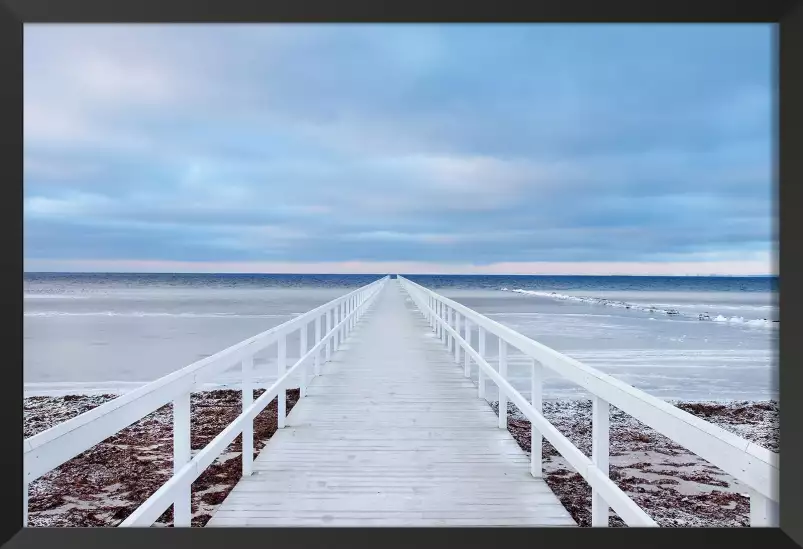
x: 95, y: 333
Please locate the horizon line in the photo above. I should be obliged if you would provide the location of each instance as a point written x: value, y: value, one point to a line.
x: 720, y: 275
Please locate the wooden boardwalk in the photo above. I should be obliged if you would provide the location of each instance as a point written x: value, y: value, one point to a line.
x: 391, y: 434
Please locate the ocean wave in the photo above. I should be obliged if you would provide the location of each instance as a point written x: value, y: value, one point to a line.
x: 145, y: 314
x: 758, y: 322
x: 761, y: 322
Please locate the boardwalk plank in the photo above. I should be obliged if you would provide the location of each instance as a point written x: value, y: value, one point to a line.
x: 391, y: 434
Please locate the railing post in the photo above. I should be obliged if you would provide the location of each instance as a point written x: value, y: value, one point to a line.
x: 341, y: 331
x: 431, y: 313
x: 437, y: 318
x: 456, y: 342
x: 182, y: 504
x: 467, y: 336
x: 344, y: 319
x: 318, y: 340
x: 444, y: 322
x: 503, y: 373
x: 347, y: 325
x: 248, y: 430
x: 329, y: 338
x: 335, y: 320
x: 449, y: 322
x: 480, y: 372
x: 600, y: 441
x: 536, y: 439
x: 338, y: 318
x: 302, y: 350
x: 281, y: 403
x: 763, y: 511
x: 441, y: 318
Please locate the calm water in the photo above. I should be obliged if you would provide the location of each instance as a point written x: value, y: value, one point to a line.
x: 676, y: 337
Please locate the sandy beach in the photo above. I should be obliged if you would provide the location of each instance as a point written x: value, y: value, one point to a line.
x: 674, y: 486
x: 105, y: 484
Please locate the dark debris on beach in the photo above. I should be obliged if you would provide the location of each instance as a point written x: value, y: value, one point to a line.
x: 105, y: 484
x: 102, y: 486
x: 674, y: 486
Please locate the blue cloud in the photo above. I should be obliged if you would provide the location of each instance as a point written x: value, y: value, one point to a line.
x: 444, y: 143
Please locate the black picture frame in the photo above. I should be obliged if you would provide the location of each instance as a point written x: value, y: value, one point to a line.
x: 789, y: 34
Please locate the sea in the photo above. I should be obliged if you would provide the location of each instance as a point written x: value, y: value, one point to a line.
x: 677, y: 338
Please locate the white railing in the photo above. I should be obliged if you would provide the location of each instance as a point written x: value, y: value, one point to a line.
x: 753, y: 465
x: 51, y: 448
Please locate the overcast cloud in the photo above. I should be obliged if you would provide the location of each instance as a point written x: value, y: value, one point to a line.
x: 448, y: 148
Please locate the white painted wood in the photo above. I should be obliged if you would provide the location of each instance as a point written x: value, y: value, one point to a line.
x: 281, y: 404
x: 536, y: 440
x: 625, y: 507
x: 763, y: 511
x: 347, y: 320
x: 182, y: 513
x: 753, y: 465
x: 337, y: 319
x: 302, y: 350
x: 457, y: 347
x: 318, y: 339
x: 52, y: 447
x: 342, y: 326
x: 341, y: 332
x: 328, y: 339
x: 442, y: 319
x: 392, y: 434
x: 503, y: 375
x: 447, y: 321
x: 248, y: 430
x: 449, y: 333
x: 467, y: 337
x: 155, y: 505
x: 481, y: 372
x: 446, y: 333
x: 600, y: 442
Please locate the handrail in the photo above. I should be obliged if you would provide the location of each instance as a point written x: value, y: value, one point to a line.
x: 49, y: 449
x: 750, y: 463
x: 159, y: 501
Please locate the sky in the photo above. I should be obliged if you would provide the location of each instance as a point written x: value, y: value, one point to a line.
x: 509, y: 149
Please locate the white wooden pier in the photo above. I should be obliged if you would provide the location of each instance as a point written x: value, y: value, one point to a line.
x: 392, y: 431
x: 391, y: 434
